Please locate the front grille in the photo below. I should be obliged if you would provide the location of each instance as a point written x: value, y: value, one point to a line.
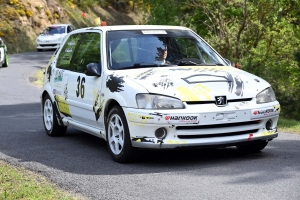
x: 48, y: 45
x: 217, y: 135
x: 213, y: 102
x: 218, y: 125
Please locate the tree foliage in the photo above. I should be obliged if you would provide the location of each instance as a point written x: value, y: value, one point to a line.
x: 262, y: 35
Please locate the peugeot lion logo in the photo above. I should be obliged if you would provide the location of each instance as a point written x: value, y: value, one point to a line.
x: 221, y: 100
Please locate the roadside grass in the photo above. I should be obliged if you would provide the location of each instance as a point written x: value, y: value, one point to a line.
x: 18, y: 183
x: 288, y: 125
x: 39, y: 77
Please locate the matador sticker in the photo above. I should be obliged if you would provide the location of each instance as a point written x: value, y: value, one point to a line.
x: 62, y: 105
x: 145, y: 74
x: 98, y: 104
x: 235, y: 83
x: 49, y: 73
x: 115, y: 83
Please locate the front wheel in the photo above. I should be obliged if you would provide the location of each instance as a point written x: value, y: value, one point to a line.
x: 51, y: 125
x: 252, y: 148
x: 5, y: 64
x: 118, y: 138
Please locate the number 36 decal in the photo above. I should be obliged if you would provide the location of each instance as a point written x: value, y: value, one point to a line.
x: 80, y: 87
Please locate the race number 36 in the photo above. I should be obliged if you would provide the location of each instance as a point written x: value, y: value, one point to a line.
x: 80, y: 87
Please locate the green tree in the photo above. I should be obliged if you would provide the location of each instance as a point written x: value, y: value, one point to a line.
x: 261, y: 35
x: 162, y: 12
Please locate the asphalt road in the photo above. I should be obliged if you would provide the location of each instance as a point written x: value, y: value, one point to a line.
x: 81, y: 164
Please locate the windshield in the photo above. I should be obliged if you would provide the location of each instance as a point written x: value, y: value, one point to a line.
x: 51, y: 30
x: 152, y: 48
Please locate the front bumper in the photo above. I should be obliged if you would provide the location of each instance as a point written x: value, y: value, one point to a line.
x: 201, y: 126
x: 47, y: 45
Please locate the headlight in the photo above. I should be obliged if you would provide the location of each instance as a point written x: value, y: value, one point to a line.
x: 57, y: 40
x: 151, y: 101
x: 38, y: 40
x: 266, y: 96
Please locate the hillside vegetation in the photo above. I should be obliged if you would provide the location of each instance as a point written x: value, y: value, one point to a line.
x: 22, y: 20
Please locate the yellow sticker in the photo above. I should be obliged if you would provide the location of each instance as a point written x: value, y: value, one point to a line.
x: 62, y: 105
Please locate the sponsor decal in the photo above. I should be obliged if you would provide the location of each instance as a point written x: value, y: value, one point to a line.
x: 263, y: 112
x: 145, y: 74
x: 57, y: 92
x: 154, y: 32
x: 69, y: 50
x: 257, y: 113
x: 98, y: 104
x: 165, y: 82
x: 58, y: 77
x: 182, y: 118
x: 140, y: 118
x: 71, y: 43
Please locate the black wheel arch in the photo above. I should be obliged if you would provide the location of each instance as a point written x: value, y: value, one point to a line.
x: 110, y: 104
x: 55, y: 106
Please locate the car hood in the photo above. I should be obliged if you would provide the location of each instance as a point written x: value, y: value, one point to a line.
x: 197, y: 83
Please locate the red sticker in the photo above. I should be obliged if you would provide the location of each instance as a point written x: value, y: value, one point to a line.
x: 250, y: 136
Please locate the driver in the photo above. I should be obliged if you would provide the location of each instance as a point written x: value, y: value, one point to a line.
x: 161, y: 55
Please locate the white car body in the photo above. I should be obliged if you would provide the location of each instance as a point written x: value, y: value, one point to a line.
x: 53, y: 36
x: 214, y: 104
x: 3, y: 54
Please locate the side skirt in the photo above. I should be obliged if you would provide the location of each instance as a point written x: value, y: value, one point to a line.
x: 88, y: 129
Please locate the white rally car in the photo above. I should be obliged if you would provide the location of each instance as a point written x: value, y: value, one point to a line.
x: 52, y: 36
x: 155, y: 87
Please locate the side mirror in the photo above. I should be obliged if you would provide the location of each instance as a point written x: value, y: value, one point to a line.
x: 93, y: 69
x: 228, y: 62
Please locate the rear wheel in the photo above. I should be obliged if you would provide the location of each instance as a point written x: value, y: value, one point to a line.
x: 118, y: 138
x: 51, y: 125
x: 254, y: 147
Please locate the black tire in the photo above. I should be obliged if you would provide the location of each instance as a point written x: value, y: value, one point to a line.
x: 39, y: 50
x: 253, y: 147
x: 118, y: 137
x: 5, y: 64
x: 51, y: 125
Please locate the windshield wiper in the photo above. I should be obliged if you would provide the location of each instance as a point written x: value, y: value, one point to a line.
x: 140, y: 65
x: 183, y: 63
x: 213, y: 64
x: 188, y: 62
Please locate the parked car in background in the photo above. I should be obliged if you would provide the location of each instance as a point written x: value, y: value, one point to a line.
x: 3, y: 54
x: 154, y: 87
x: 52, y: 36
